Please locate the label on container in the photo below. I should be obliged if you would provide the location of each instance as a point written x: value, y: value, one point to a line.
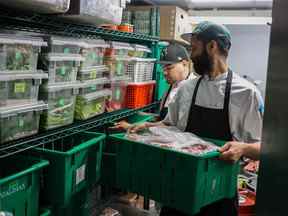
x: 118, y: 94
x: 119, y: 68
x: 93, y: 88
x: 93, y: 74
x: 66, y: 50
x: 18, y: 55
x: 63, y: 71
x: 20, y: 87
x: 80, y: 174
x: 21, y: 123
x: 61, y: 102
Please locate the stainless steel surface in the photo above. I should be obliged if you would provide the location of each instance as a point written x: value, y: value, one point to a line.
x: 273, y: 177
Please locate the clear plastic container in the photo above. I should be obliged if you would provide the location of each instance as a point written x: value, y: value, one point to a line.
x: 117, y: 66
x: 20, y: 88
x: 39, y: 6
x: 119, y: 88
x: 93, y: 73
x: 92, y: 104
x: 61, y: 67
x: 93, y: 52
x: 140, y: 51
x: 20, y: 121
x: 119, y: 49
x: 61, y: 100
x: 63, y: 45
x: 19, y: 53
x: 92, y: 85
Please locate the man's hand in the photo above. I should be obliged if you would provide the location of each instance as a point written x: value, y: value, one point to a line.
x: 122, y: 125
x: 232, y: 151
x: 137, y: 127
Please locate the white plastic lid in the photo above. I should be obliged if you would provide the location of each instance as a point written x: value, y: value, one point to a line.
x: 95, y: 43
x: 8, y: 76
x: 16, y: 39
x: 142, y: 48
x: 100, y: 68
x: 97, y: 94
x: 143, y: 59
x: 121, y: 45
x: 55, y: 40
x: 63, y: 57
x: 88, y: 83
x: 14, y: 110
x: 61, y: 86
x: 120, y: 78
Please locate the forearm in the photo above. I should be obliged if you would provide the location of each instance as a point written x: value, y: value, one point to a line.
x: 252, y: 151
x: 154, y: 124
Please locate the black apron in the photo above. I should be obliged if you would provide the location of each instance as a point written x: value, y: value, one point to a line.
x: 164, y: 110
x: 210, y: 123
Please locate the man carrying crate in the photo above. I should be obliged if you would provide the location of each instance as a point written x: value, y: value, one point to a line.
x: 219, y: 105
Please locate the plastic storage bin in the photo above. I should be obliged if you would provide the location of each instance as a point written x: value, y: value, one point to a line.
x: 75, y: 164
x: 19, y: 53
x: 61, y: 104
x: 91, y: 86
x: 178, y: 180
x: 139, y: 94
x: 119, y: 49
x: 140, y: 69
x: 93, y: 52
x: 39, y: 6
x: 20, y: 121
x: 93, y: 73
x: 61, y: 67
x: 63, y: 45
x: 92, y: 104
x: 19, y: 89
x: 19, y: 185
x: 117, y: 67
x: 118, y: 87
x: 140, y: 51
x: 95, y: 12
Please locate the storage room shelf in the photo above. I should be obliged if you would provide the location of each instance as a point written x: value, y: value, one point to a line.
x: 20, y: 145
x: 47, y: 24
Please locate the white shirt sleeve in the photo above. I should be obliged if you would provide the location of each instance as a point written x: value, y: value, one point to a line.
x: 173, y: 109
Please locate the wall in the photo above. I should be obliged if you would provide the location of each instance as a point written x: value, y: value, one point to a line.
x: 250, y: 51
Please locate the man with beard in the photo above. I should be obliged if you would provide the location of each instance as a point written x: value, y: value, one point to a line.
x: 219, y: 105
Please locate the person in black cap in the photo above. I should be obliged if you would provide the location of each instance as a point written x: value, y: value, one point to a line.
x: 219, y: 105
x: 175, y: 62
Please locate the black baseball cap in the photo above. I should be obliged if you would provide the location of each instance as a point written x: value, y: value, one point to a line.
x: 173, y: 54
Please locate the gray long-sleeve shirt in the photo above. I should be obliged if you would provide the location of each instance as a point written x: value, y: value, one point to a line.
x: 245, y: 109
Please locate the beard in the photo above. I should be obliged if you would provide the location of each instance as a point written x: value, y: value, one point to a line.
x: 202, y: 64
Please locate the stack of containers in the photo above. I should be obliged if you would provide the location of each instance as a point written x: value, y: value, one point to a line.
x: 117, y: 59
x: 92, y: 95
x: 19, y: 85
x: 140, y: 71
x: 61, y: 61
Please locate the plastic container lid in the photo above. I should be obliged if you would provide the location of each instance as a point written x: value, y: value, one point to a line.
x: 61, y: 86
x: 54, y: 40
x: 88, y: 83
x: 121, y: 45
x: 98, y: 94
x: 63, y: 57
x: 100, y: 68
x: 142, y: 48
x: 95, y: 43
x: 7, y: 76
x: 143, y: 59
x: 120, y: 78
x: 15, y: 39
x: 14, y: 110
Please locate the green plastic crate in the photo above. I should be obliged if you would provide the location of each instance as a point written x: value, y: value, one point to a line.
x: 139, y: 118
x: 19, y: 185
x: 45, y: 212
x: 175, y: 179
x: 75, y: 164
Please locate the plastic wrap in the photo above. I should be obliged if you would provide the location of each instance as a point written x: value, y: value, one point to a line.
x: 173, y: 138
x: 42, y: 6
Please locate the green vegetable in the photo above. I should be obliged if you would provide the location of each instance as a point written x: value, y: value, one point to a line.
x: 20, y: 57
x: 93, y: 56
x: 21, y: 90
x: 65, y: 71
x: 3, y: 93
x: 86, y: 109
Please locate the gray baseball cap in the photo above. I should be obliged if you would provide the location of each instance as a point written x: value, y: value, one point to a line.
x: 174, y: 53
